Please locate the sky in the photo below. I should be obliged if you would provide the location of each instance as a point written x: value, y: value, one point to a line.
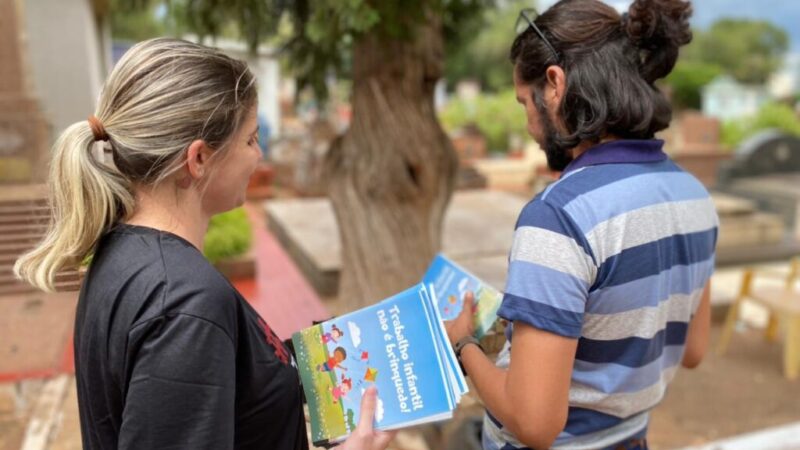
x: 784, y: 13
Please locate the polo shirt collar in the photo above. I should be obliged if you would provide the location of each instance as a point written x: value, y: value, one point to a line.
x: 621, y: 151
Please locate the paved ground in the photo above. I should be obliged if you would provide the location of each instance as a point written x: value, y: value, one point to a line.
x: 35, y: 332
x: 726, y: 396
x: 739, y: 393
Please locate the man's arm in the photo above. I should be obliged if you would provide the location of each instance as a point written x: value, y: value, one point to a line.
x: 549, y: 274
x: 531, y: 397
x: 697, y: 336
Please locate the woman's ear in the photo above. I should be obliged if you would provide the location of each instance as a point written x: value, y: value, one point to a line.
x: 198, y: 157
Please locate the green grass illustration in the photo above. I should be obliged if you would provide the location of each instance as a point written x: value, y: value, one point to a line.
x: 328, y: 417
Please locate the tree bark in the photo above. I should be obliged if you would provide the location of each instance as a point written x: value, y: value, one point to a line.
x: 391, y: 175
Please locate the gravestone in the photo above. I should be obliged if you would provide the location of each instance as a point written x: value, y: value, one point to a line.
x: 23, y: 130
x: 478, y: 230
x: 777, y: 193
x: 699, y: 133
x: 470, y: 144
x: 743, y: 225
x: 693, y: 142
x: 766, y: 171
x: 767, y: 153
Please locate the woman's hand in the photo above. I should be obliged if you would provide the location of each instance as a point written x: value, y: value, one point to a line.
x: 365, y: 437
x: 463, y: 325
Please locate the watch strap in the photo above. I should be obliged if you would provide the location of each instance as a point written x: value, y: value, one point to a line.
x: 459, y: 346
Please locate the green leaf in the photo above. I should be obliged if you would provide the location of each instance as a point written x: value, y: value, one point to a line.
x: 229, y: 235
x: 497, y: 116
x: 771, y: 116
x: 315, y: 36
x: 750, y: 50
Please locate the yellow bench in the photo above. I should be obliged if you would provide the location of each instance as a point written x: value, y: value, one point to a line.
x: 783, y: 304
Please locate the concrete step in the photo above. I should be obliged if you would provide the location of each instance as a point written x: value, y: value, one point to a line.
x: 19, y: 238
x: 31, y: 237
x: 777, y: 438
x: 14, y: 248
x: 38, y: 228
x: 24, y: 288
x: 8, y: 278
x: 7, y: 265
x: 15, y: 208
x: 23, y: 219
x: 8, y: 259
x: 23, y: 202
x: 23, y: 193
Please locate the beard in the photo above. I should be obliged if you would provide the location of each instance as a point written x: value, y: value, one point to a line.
x: 558, y: 155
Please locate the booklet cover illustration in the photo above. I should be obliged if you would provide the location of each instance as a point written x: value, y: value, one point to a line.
x: 397, y: 345
x: 450, y: 282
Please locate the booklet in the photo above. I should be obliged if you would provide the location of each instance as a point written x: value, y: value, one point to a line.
x: 398, y: 345
x: 450, y: 282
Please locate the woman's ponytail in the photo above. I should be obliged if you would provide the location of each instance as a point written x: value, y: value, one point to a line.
x: 86, y: 198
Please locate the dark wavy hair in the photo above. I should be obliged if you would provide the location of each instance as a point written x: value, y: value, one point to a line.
x: 611, y: 62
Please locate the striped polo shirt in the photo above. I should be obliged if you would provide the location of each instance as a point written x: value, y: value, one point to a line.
x: 616, y: 254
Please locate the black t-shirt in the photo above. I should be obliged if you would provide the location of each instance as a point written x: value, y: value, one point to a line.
x: 169, y: 355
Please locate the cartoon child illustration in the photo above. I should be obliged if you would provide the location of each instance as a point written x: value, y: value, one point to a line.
x: 334, y: 362
x: 341, y: 389
x: 333, y: 336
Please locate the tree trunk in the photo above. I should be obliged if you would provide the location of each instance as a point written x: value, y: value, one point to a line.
x: 391, y: 175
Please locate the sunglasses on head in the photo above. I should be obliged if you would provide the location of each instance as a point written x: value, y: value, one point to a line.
x: 526, y: 20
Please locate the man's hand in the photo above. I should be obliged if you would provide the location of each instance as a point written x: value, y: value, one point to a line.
x: 365, y: 437
x: 463, y: 325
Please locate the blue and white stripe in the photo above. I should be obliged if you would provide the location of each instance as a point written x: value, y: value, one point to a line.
x: 616, y: 256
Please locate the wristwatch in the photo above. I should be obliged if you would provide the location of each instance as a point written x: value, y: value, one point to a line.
x: 459, y: 346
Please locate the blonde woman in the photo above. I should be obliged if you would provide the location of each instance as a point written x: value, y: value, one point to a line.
x: 168, y: 354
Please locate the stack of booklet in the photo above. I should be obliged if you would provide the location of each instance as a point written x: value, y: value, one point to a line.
x: 398, y: 345
x: 449, y: 282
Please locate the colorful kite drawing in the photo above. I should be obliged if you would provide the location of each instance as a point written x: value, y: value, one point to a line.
x: 371, y: 374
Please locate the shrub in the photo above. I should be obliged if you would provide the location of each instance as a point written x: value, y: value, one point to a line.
x: 497, y: 116
x: 229, y: 235
x: 771, y: 116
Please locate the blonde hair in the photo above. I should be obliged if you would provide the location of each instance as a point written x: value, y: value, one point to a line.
x: 162, y: 95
